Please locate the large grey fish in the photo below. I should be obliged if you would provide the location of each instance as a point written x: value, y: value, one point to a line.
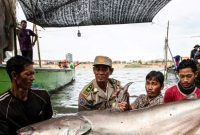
x: 170, y: 119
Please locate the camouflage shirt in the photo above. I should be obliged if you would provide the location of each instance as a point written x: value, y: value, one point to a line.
x: 143, y: 101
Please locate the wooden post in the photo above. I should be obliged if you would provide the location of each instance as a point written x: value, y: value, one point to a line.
x: 167, y: 48
x: 15, y: 41
x: 165, y: 58
x: 35, y: 28
x: 166, y: 51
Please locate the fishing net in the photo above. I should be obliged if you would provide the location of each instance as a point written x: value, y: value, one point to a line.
x: 67, y: 13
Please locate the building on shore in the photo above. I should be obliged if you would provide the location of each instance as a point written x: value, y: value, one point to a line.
x: 69, y: 57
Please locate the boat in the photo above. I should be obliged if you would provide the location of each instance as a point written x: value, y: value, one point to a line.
x: 176, y: 60
x: 4, y: 80
x: 52, y: 79
x: 45, y: 78
x: 171, y: 69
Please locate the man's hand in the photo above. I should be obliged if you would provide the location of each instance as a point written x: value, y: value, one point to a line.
x: 36, y: 38
x: 123, y: 106
x: 33, y: 43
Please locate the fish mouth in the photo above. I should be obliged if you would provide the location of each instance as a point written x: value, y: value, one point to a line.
x: 25, y: 131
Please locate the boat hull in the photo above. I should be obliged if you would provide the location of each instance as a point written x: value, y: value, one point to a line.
x: 171, y: 70
x: 45, y: 78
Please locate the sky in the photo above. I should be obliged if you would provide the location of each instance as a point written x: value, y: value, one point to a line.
x: 126, y: 42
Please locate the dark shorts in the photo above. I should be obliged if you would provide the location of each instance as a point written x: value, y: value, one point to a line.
x: 28, y: 54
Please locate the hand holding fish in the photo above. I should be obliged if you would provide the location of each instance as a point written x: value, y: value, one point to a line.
x: 122, y: 97
x: 123, y: 106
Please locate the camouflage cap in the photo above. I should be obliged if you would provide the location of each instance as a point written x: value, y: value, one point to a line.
x: 102, y: 60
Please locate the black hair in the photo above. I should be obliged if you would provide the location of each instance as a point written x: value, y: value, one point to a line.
x: 17, y: 64
x: 156, y: 75
x: 23, y: 21
x: 188, y: 63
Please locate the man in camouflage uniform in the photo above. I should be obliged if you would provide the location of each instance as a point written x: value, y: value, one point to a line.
x: 101, y: 92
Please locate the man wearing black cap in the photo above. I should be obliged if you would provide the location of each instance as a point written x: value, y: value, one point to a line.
x: 100, y: 93
x: 193, y: 52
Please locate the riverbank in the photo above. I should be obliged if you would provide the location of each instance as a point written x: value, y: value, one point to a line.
x: 125, y: 65
x: 157, y: 65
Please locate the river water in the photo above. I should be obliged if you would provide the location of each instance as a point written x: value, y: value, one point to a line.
x: 65, y: 100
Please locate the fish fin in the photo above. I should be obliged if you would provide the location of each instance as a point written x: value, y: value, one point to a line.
x: 125, y: 88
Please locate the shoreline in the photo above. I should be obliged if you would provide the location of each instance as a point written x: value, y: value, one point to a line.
x: 126, y: 66
x: 114, y: 66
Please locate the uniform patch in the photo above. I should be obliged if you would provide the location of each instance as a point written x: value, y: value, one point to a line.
x: 114, y: 82
x: 87, y: 91
x: 82, y: 101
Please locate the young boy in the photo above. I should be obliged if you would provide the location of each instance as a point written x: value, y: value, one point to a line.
x: 186, y: 88
x: 154, y: 84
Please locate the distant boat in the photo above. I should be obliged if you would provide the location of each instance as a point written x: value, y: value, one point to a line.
x: 176, y: 60
x: 45, y: 78
x: 171, y: 70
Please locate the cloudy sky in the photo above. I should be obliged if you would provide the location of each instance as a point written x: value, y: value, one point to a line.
x: 128, y: 41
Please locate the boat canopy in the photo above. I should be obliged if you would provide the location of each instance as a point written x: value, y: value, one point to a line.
x: 67, y: 13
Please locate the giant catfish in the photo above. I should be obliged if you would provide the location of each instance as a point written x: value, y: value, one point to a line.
x: 168, y: 119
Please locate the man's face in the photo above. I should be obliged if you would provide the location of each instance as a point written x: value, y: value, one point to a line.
x: 26, y: 77
x: 102, y: 73
x: 153, y: 88
x: 187, y: 77
x: 23, y: 25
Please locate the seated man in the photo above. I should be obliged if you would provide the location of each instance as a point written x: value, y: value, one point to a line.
x: 154, y: 85
x: 21, y: 106
x: 100, y: 93
x: 186, y: 88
